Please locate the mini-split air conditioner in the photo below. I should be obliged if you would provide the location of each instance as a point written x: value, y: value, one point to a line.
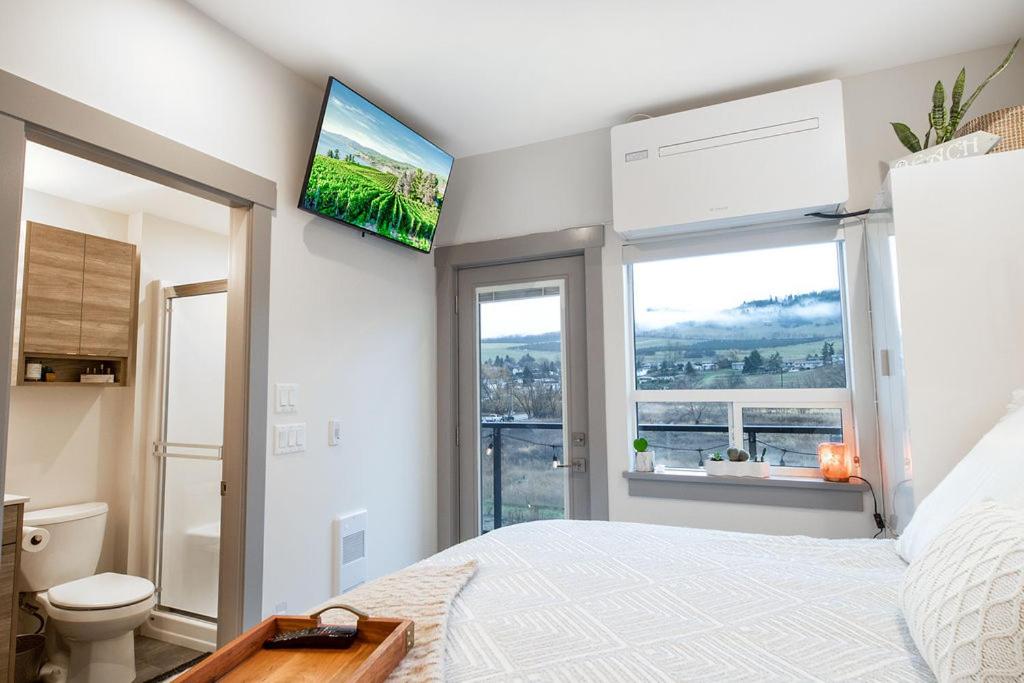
x: 774, y: 157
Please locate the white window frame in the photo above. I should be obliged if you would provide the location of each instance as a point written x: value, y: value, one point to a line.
x: 707, y: 245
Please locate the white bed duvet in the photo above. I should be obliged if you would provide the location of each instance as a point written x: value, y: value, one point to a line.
x: 608, y: 601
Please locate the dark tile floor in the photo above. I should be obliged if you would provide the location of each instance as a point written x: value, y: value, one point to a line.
x: 154, y: 657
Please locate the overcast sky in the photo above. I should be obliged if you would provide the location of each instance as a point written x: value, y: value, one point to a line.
x: 700, y: 288
x: 520, y: 316
x: 688, y: 289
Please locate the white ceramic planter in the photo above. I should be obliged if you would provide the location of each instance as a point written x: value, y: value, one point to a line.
x: 644, y: 462
x: 727, y: 468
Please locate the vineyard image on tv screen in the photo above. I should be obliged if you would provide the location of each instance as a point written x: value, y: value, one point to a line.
x: 372, y: 172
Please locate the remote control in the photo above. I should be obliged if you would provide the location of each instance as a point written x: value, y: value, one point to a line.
x: 318, y: 637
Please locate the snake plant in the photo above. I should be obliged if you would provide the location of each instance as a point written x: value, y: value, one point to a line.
x: 942, y: 121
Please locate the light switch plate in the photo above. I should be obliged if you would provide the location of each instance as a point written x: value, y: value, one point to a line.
x: 289, y: 438
x: 333, y: 432
x: 286, y: 398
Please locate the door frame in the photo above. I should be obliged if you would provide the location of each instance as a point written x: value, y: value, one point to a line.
x: 32, y: 113
x: 569, y: 271
x: 587, y: 242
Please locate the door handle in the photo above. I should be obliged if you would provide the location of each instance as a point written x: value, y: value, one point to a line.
x: 576, y: 465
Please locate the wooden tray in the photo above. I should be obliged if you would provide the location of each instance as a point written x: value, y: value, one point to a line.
x: 380, y: 645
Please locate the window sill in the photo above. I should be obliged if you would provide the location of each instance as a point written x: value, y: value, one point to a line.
x: 782, y: 491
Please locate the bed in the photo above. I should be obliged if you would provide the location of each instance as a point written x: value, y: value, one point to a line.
x: 610, y: 601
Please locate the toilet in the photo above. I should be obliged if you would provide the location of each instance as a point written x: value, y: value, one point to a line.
x: 91, y: 618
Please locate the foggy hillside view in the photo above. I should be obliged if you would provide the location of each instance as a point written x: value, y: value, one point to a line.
x: 790, y: 342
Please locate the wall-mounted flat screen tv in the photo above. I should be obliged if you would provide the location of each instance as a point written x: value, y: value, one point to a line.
x: 368, y: 170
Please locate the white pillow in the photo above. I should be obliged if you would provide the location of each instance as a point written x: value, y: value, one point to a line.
x: 963, y: 599
x: 993, y: 470
x: 1016, y: 403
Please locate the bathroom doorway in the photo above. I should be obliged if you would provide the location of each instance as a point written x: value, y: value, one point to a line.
x: 150, y: 443
x: 32, y: 114
x: 190, y: 450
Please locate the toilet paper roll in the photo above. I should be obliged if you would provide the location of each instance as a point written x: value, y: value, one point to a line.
x: 34, y: 539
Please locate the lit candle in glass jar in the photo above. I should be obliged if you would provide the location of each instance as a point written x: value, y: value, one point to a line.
x: 835, y: 462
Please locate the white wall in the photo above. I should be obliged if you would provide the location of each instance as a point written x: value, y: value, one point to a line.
x: 549, y: 185
x: 352, y: 319
x: 567, y: 182
x: 68, y: 444
x: 177, y: 253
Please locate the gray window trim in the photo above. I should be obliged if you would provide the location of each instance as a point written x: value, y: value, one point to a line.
x: 541, y: 245
x: 794, y: 492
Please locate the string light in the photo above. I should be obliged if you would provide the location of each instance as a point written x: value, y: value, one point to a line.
x: 532, y: 443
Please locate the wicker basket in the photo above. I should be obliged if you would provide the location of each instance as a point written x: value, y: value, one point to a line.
x: 1007, y: 123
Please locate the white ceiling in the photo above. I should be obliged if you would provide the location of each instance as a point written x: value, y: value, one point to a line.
x: 70, y: 177
x: 480, y: 75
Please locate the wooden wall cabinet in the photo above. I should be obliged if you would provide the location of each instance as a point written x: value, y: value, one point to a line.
x: 108, y: 298
x: 79, y: 304
x: 52, y: 303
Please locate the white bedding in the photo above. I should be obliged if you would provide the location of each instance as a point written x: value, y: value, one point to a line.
x: 608, y: 601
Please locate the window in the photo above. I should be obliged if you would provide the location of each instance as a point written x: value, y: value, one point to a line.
x: 789, y: 437
x: 743, y: 348
x: 683, y: 434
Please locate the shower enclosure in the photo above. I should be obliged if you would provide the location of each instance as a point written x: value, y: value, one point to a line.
x: 190, y: 450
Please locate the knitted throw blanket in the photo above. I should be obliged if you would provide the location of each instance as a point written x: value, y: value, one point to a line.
x: 421, y: 593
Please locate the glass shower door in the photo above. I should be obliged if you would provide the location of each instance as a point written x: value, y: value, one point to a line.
x: 188, y: 525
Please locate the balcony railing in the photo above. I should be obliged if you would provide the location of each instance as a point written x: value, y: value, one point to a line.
x: 495, y: 443
x: 494, y: 436
x: 751, y: 433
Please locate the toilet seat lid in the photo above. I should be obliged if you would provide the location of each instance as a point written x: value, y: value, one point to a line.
x: 102, y: 591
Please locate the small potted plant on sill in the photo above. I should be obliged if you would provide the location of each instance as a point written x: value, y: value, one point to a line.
x: 644, y: 459
x: 737, y: 464
x: 715, y: 465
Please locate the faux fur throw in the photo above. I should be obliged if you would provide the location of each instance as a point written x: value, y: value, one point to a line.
x: 421, y: 593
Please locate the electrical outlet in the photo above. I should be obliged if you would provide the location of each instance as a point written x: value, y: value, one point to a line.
x: 333, y: 432
x: 281, y: 608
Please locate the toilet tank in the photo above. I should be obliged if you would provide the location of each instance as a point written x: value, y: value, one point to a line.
x: 76, y: 538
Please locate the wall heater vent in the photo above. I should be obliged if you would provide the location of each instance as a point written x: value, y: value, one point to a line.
x: 349, y: 551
